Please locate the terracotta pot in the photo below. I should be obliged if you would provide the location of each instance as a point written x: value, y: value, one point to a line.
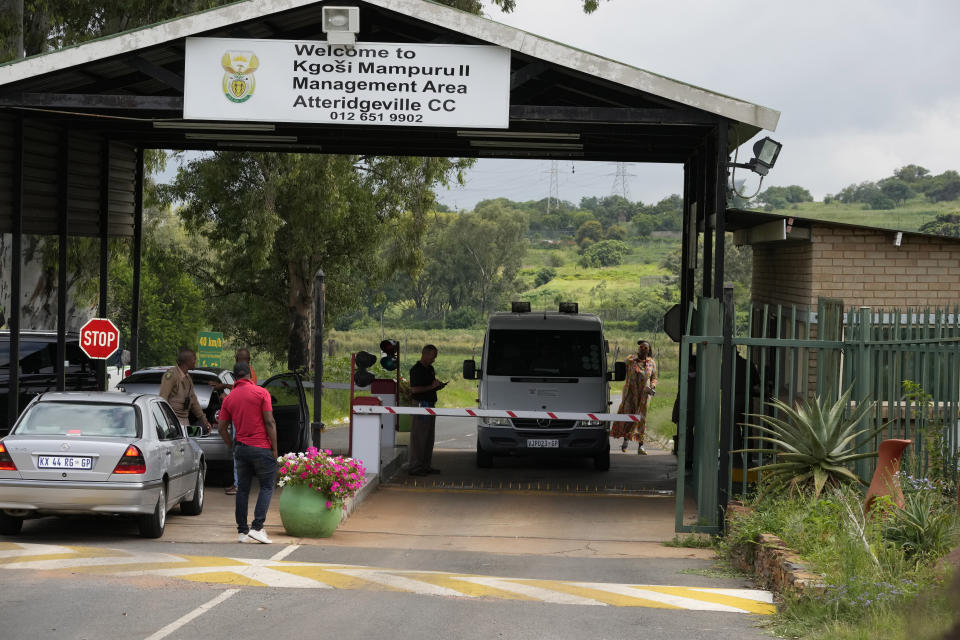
x: 885, y: 481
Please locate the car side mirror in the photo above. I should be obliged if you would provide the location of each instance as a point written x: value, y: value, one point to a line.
x: 619, y: 372
x: 470, y: 370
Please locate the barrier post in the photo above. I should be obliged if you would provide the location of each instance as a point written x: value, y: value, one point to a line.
x: 365, y: 435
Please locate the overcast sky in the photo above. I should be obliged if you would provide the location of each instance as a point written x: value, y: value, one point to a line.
x: 863, y: 86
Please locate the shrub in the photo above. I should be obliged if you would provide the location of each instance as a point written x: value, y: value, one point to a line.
x: 463, y: 318
x: 923, y: 528
x: 813, y: 444
x: 544, y: 276
x: 606, y: 253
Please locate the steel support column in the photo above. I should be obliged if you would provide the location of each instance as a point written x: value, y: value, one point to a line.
x: 63, y: 190
x: 704, y: 208
x: 727, y: 380
x: 16, y: 260
x: 104, y: 247
x: 720, y: 159
x: 319, y: 295
x: 137, y: 251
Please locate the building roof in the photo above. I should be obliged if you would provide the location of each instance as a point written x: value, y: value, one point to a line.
x: 616, y: 111
x: 743, y: 221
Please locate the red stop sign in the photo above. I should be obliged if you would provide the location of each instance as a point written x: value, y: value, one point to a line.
x: 99, y: 338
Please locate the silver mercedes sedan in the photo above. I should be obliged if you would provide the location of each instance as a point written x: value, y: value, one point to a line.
x: 99, y: 453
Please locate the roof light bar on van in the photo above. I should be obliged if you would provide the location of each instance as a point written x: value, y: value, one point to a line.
x: 520, y: 307
x: 569, y: 307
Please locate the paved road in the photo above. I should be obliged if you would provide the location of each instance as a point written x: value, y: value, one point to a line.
x: 157, y: 590
x: 413, y: 562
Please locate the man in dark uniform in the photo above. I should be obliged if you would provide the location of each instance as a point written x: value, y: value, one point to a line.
x: 177, y: 389
x: 423, y: 388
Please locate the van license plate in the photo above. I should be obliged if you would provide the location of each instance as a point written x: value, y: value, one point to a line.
x: 64, y: 462
x: 542, y: 443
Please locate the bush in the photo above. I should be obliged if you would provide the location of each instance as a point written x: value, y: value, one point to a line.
x: 544, y: 276
x: 925, y: 528
x: 463, y: 318
x: 606, y: 253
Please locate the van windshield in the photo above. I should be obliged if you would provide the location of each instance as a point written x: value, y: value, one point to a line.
x: 545, y: 354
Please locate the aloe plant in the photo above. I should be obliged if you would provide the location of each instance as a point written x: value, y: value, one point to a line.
x: 813, y: 443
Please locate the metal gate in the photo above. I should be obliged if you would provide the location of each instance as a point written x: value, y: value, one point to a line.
x: 731, y: 366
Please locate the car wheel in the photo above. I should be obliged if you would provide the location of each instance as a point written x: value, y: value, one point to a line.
x: 602, y: 462
x: 484, y: 458
x: 195, y: 506
x: 10, y: 525
x: 151, y: 525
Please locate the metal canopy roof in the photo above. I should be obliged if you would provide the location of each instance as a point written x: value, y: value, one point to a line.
x: 122, y: 86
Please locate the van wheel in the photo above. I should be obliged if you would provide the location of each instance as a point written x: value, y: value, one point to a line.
x: 152, y: 525
x: 602, y: 461
x: 484, y: 458
x: 9, y: 525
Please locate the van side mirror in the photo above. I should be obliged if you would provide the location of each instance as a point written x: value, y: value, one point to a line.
x: 470, y: 370
x: 619, y: 372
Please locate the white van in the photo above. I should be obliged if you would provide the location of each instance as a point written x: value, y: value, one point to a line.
x: 543, y: 361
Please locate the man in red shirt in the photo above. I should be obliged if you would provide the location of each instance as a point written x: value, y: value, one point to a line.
x: 255, y: 452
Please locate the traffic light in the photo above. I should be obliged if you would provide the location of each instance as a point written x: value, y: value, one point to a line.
x: 363, y: 361
x: 391, y: 354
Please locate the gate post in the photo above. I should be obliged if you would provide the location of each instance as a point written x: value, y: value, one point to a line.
x: 726, y: 401
x: 862, y: 382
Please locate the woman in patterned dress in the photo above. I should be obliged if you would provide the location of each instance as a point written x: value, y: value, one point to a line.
x: 638, y: 388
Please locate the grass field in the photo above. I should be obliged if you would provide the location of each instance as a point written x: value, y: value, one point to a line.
x: 909, y: 217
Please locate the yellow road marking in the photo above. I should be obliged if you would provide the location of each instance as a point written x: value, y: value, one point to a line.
x: 255, y: 572
x: 606, y: 597
x: 706, y: 595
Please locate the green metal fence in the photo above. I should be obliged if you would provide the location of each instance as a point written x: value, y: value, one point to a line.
x: 796, y: 354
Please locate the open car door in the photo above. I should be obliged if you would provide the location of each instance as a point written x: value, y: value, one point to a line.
x: 289, y: 411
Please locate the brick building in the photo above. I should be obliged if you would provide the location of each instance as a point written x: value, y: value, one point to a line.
x: 797, y: 261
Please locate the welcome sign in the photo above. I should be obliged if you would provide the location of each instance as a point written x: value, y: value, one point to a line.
x: 430, y: 85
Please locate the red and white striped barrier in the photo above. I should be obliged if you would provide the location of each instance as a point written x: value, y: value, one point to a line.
x: 496, y: 413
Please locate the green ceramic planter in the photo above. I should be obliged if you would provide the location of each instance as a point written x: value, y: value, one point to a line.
x: 304, y: 513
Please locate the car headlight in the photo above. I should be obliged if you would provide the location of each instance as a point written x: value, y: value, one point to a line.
x: 591, y: 423
x: 499, y: 422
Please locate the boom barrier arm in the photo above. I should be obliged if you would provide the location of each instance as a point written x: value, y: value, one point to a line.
x: 497, y: 413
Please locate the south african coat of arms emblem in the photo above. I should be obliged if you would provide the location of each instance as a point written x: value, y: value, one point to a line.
x: 238, y: 81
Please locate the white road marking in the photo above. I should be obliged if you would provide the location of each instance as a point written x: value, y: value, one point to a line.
x: 66, y: 563
x: 539, y: 593
x: 402, y: 582
x: 275, y: 572
x: 749, y: 594
x: 283, y: 553
x: 36, y: 550
x: 199, y: 611
x: 656, y: 596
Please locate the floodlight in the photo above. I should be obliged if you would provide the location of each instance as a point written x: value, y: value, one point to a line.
x: 341, y: 24
x: 520, y: 307
x: 569, y: 307
x: 765, y: 153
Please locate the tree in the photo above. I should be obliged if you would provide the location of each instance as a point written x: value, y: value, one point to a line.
x: 945, y: 224
x: 44, y: 25
x: 173, y: 307
x: 782, y: 197
x: 910, y: 173
x: 606, y: 253
x: 895, y: 189
x: 590, y: 230
x: 477, y: 262
x: 273, y: 220
x: 544, y: 275
x: 944, y: 187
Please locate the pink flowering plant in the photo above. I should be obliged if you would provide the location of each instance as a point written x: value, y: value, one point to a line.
x: 335, y: 477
